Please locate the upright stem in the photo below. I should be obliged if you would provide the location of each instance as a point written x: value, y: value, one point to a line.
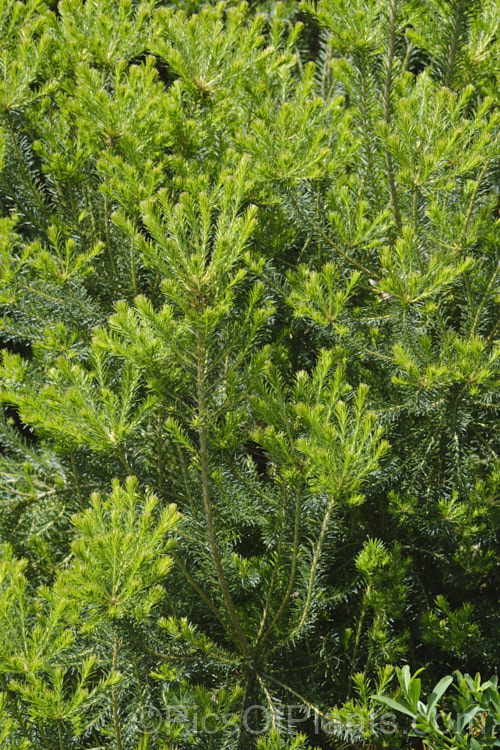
x: 366, y: 130
x: 25, y: 174
x: 60, y: 735
x: 293, y: 571
x: 472, y: 202
x: 408, y: 334
x: 114, y: 699
x: 317, y: 228
x: 484, y: 300
x: 132, y: 266
x: 269, y: 701
x: 77, y: 481
x: 362, y: 616
x: 301, y: 698
x: 468, y: 217
x: 493, y: 332
x: 89, y: 209
x: 244, y: 741
x: 387, y: 113
x: 240, y: 637
x: 187, y: 485
x: 199, y: 590
x: 454, y: 44
x: 108, y: 240
x: 160, y: 452
x: 123, y: 459
x: 141, y: 697
x: 274, y: 576
x: 15, y: 713
x: 314, y: 565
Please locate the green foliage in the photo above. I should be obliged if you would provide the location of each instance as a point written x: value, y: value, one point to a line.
x: 274, y: 742
x: 363, y: 719
x: 473, y: 722
x: 248, y: 267
x: 60, y: 646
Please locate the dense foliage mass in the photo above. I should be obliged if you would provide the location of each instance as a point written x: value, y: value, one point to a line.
x: 250, y: 295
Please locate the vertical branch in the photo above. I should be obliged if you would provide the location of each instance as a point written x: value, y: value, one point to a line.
x: 452, y: 55
x: 408, y: 334
x: 114, y: 699
x: 132, y: 267
x: 370, y: 166
x: 155, y: 287
x: 141, y: 696
x: 199, y: 590
x: 89, y: 209
x: 160, y: 453
x: 293, y: 571
x: 24, y: 172
x: 274, y: 576
x: 314, y: 565
x: 15, y: 713
x: 318, y: 229
x: 269, y: 700
x: 187, y: 484
x: 362, y: 615
x: 120, y: 451
x: 484, y: 300
x: 77, y: 481
x: 60, y: 735
x: 108, y: 239
x: 387, y: 113
x: 241, y: 639
x: 416, y: 198
x: 477, y: 186
x: 493, y: 333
